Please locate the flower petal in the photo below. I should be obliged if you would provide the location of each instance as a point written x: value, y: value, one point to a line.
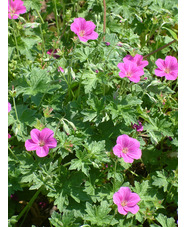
x: 117, y: 198
x: 51, y: 142
x: 90, y: 26
x: 42, y: 151
x: 45, y: 134
x: 117, y: 149
x: 123, y: 140
x: 121, y: 210
x: 35, y: 135
x: 133, y: 209
x: 160, y: 63
x: 135, y: 154
x: 133, y: 199
x: 159, y: 72
x: 125, y: 192
x: 30, y: 145
x: 93, y: 36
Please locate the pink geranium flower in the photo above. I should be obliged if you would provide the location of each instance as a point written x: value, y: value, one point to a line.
x: 127, y: 148
x: 84, y: 29
x: 9, y: 107
x: 9, y: 136
x: 126, y: 201
x: 60, y: 69
x: 41, y: 141
x: 130, y: 70
x: 138, y: 59
x: 167, y: 68
x: 15, y: 8
x: 138, y: 127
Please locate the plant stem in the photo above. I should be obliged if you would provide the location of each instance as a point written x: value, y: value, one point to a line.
x: 160, y: 48
x: 104, y: 19
x: 114, y: 186
x: 13, y: 153
x: 15, y: 109
x: 56, y: 14
x: 28, y: 206
x: 15, y: 38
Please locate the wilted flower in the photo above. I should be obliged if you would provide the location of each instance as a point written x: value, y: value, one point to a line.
x: 130, y: 70
x: 127, y: 148
x: 60, y: 69
x: 167, y: 68
x: 15, y: 8
x: 126, y: 201
x: 97, y: 71
x: 107, y: 43
x: 53, y: 52
x: 41, y: 141
x: 138, y: 59
x: 9, y: 107
x: 138, y: 127
x: 145, y: 78
x: 84, y: 29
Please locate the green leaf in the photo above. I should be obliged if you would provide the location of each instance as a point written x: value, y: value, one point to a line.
x: 165, y: 221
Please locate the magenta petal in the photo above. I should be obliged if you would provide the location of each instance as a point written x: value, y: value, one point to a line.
x: 133, y: 209
x: 117, y: 149
x: 122, y: 74
x: 125, y: 192
x: 128, y: 57
x: 171, y: 63
x: 172, y: 75
x: 117, y: 198
x: 35, y: 135
x: 9, y: 136
x: 121, y: 210
x: 121, y: 66
x: 93, y: 36
x: 90, y: 26
x: 123, y: 140
x: 127, y: 158
x: 159, y: 72
x: 45, y: 134
x: 30, y: 145
x: 75, y: 28
x: 9, y: 107
x: 134, y: 79
x: 51, y: 142
x: 160, y: 63
x: 81, y: 23
x: 133, y: 199
x: 42, y: 151
x: 135, y: 154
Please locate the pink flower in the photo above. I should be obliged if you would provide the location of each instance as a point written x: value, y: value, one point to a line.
x: 167, y: 68
x: 127, y: 148
x: 9, y: 107
x: 138, y: 59
x: 53, y: 52
x: 41, y: 141
x: 138, y: 127
x: 126, y: 201
x: 130, y: 70
x: 9, y: 136
x: 60, y: 69
x: 15, y: 8
x: 84, y: 29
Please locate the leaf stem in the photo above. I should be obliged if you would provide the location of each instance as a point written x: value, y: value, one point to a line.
x: 15, y: 109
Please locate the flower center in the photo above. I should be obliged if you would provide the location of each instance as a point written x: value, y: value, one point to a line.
x: 167, y: 70
x: 125, y: 150
x: 128, y: 74
x: 124, y: 203
x: 81, y: 33
x: 41, y: 143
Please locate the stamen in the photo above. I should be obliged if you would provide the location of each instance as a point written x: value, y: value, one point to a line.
x: 81, y: 33
x: 125, y: 150
x: 124, y: 203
